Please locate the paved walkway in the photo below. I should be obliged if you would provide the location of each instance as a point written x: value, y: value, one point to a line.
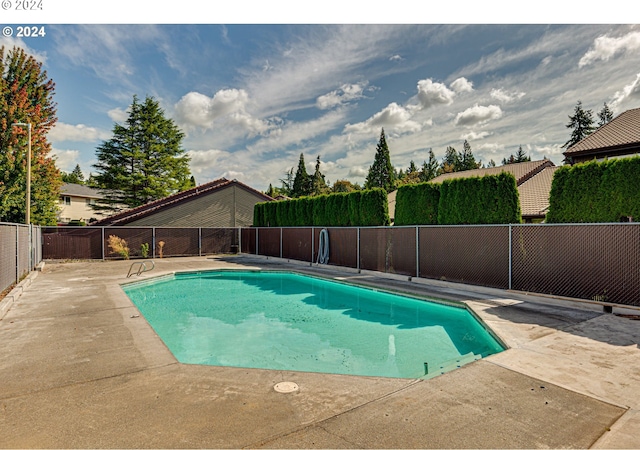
x: 79, y: 368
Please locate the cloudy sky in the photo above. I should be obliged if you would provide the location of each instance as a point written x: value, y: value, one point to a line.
x: 251, y: 98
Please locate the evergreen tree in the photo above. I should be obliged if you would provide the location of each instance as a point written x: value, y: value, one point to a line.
x: 302, y: 180
x: 412, y: 175
x: 143, y: 161
x: 466, y: 160
x: 605, y: 115
x: 429, y: 168
x: 450, y: 162
x: 381, y: 173
x: 318, y: 183
x: 75, y: 177
x: 287, y: 183
x: 26, y: 96
x: 271, y: 191
x: 519, y: 157
x: 491, y: 163
x: 582, y: 124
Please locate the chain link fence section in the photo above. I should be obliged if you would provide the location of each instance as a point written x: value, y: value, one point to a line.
x: 297, y: 244
x: 72, y: 243
x: 389, y: 250
x: 470, y: 254
x: 591, y: 261
x: 219, y: 240
x: 19, y: 252
x: 343, y: 246
x: 8, y: 256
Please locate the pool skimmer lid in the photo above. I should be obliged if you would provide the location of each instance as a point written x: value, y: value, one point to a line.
x: 286, y: 387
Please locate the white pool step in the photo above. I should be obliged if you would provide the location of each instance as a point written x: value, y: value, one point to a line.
x: 449, y: 365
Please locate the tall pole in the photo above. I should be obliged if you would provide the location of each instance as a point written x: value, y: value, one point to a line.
x: 28, y: 200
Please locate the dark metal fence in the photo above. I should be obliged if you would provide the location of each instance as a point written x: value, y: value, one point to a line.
x: 20, y: 252
x: 599, y: 262
x: 142, y: 242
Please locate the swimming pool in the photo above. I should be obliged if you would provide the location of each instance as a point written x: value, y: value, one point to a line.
x: 289, y: 321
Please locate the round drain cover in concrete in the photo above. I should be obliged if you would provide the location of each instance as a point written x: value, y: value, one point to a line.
x: 286, y: 387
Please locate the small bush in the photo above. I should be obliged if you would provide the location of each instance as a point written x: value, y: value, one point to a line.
x: 119, y: 246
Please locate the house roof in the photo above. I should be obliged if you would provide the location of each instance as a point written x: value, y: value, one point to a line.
x: 534, y: 193
x: 521, y: 171
x: 174, y: 200
x: 623, y: 131
x: 79, y: 190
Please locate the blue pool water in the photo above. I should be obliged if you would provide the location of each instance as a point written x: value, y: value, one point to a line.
x: 287, y: 321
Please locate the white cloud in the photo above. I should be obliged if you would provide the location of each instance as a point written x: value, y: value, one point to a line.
x: 196, y: 109
x: 394, y: 117
x: 629, y: 91
x: 605, y: 47
x: 478, y: 115
x: 432, y: 94
x: 118, y: 115
x: 78, y: 133
x: 473, y: 136
x: 396, y: 58
x: 10, y: 42
x: 462, y: 85
x: 346, y: 93
x: 306, y: 68
x: 505, y: 97
x: 204, y: 160
x: 358, y: 172
x: 233, y: 175
x: 66, y: 160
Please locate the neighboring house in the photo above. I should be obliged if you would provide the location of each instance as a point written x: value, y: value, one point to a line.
x: 219, y: 203
x: 533, y: 179
x: 618, y: 138
x: 75, y: 203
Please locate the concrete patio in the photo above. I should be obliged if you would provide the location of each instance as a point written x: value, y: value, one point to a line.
x: 79, y: 368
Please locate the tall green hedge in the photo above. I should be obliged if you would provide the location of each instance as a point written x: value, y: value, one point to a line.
x: 417, y: 204
x: 595, y: 192
x: 359, y: 208
x: 479, y: 200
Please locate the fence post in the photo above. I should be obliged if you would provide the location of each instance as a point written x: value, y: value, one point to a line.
x: 510, y: 254
x: 153, y: 242
x: 358, y: 250
x: 257, y: 241
x: 280, y: 242
x: 102, y: 241
x: 239, y: 230
x: 199, y: 241
x: 313, y: 245
x: 17, y: 255
x: 417, y: 252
